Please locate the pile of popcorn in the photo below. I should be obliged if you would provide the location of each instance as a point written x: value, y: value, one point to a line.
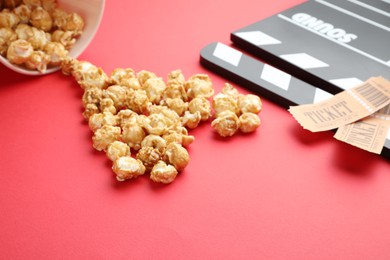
x: 141, y: 121
x: 36, y: 33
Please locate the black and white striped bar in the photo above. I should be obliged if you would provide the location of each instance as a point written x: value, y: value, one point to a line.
x: 333, y: 44
x: 264, y: 79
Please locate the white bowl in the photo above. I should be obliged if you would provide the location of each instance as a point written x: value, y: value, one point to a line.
x: 92, y: 13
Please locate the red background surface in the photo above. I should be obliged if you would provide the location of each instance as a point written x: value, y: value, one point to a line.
x: 280, y: 193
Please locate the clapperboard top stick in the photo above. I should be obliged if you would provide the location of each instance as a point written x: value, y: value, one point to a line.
x: 332, y: 44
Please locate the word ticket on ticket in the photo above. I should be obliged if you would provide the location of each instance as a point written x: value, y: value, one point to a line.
x: 345, y: 107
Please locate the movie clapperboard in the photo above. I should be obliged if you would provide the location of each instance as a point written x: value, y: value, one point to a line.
x: 309, y: 52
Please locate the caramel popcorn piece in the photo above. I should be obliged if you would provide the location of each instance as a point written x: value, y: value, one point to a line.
x: 222, y: 102
x: 133, y: 134
x: 66, y: 38
x: 249, y: 122
x: 127, y: 167
x: 98, y: 120
x: 23, y: 12
x: 41, y: 19
x: 104, y: 136
x: 74, y: 22
x: 155, y: 124
x: 149, y: 156
x: 56, y: 52
x: 154, y: 141
x: 249, y: 103
x: 226, y: 124
x: 38, y: 61
x: 177, y: 155
x: 7, y: 35
x: 117, y: 94
x: 191, y: 120
x: 19, y: 51
x: 176, y: 104
x: 116, y: 150
x: 120, y: 76
x: 199, y: 85
x: 8, y: 19
x: 202, y: 105
x: 163, y: 173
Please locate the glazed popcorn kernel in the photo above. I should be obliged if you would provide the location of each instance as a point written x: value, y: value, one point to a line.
x: 116, y: 150
x: 98, y: 120
x: 229, y: 90
x: 149, y: 156
x: 226, y: 123
x: 107, y: 105
x: 191, y: 120
x: 66, y: 38
x: 92, y: 96
x: 74, y: 23
x: 154, y: 88
x: 37, y: 61
x: 126, y: 116
x: 8, y: 19
x: 155, y: 124
x: 154, y: 141
x: 199, y: 85
x: 170, y: 116
x: 56, y: 52
x: 222, y: 102
x: 177, y: 155
x: 133, y: 134
x: 117, y: 93
x: 41, y: 19
x: 177, y: 137
x: 138, y: 101
x: 202, y: 105
x: 23, y: 12
x: 104, y: 136
x: 49, y: 5
x: 38, y: 38
x: 144, y: 75
x: 19, y: 51
x: 249, y: 103
x: 175, y: 90
x: 177, y: 105
x: 176, y: 77
x: 122, y: 77
x: 90, y: 110
x: 7, y: 35
x: 249, y: 122
x: 127, y: 167
x: 163, y: 173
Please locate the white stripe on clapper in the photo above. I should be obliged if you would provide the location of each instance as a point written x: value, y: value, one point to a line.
x: 335, y: 41
x: 354, y: 15
x: 372, y: 8
x: 227, y: 54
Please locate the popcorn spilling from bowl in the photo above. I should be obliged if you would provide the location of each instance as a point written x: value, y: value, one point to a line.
x: 142, y: 121
x: 37, y: 34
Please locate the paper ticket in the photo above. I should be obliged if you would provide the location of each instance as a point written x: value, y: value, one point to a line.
x: 345, y: 107
x: 369, y: 133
